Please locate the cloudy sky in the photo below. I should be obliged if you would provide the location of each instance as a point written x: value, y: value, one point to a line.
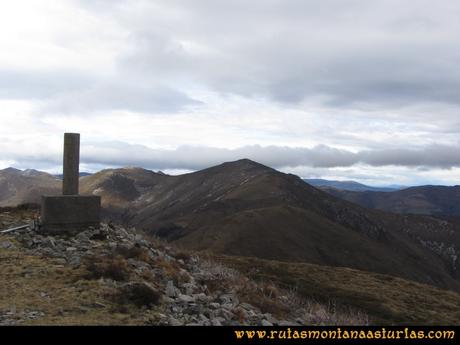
x: 338, y: 89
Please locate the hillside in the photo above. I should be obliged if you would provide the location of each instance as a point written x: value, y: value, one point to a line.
x: 243, y: 208
x: 430, y: 200
x: 117, y: 276
x: 386, y: 299
x: 19, y: 187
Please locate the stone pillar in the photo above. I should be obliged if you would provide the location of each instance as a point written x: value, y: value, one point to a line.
x: 70, y: 213
x: 71, y: 163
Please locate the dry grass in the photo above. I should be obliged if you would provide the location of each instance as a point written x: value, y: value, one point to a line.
x: 111, y: 267
x: 347, y: 296
x: 263, y: 295
x: 133, y: 252
x: 171, y: 270
x: 31, y: 283
x: 254, y: 295
x: 139, y: 294
x: 182, y: 255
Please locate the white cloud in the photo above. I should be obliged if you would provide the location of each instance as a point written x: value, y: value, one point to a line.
x: 359, y: 76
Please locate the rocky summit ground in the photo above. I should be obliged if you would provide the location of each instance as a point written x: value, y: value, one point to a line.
x: 117, y: 276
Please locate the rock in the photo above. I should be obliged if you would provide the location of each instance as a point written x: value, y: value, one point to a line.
x: 270, y: 318
x: 186, y: 299
x: 202, y: 297
x: 214, y: 305
x: 189, y: 288
x: 265, y: 323
x: 140, y: 294
x: 285, y: 323
x: 220, y: 319
x: 37, y: 240
x: 226, y: 314
x: 227, y: 306
x: 194, y: 309
x: 60, y: 261
x: 203, y: 317
x: 99, y: 305
x: 175, y: 322
x: 170, y: 289
x: 75, y: 261
x: 7, y: 245
x: 215, y: 322
x: 247, y: 306
x: 71, y: 249
x: 138, y: 238
x: 82, y: 236
x: 229, y: 299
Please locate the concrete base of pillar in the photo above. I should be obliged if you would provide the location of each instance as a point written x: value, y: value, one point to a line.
x: 69, y: 213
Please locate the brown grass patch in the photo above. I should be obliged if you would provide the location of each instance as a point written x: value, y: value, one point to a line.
x: 32, y: 283
x: 133, y: 252
x: 112, y: 267
x: 139, y: 294
x: 172, y: 271
x: 385, y: 299
x: 263, y: 297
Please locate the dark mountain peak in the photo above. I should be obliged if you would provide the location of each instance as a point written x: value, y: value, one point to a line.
x: 25, y: 173
x: 11, y: 170
x: 134, y: 171
x: 233, y: 170
x: 34, y: 173
x: 245, y: 164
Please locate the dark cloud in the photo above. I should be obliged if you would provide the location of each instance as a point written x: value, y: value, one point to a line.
x: 195, y: 158
x: 348, y: 52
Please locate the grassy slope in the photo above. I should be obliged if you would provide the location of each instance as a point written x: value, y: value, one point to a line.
x: 31, y: 283
x: 387, y: 299
x: 434, y: 200
x: 43, y: 284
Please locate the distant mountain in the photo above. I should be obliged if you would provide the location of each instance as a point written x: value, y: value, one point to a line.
x: 82, y: 174
x: 349, y: 185
x: 243, y: 208
x: 18, y: 187
x: 429, y: 200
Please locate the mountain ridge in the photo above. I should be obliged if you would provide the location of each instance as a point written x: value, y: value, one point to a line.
x: 244, y: 208
x: 240, y: 208
x: 348, y: 185
x: 429, y: 200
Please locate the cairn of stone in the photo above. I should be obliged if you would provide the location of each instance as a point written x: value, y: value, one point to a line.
x: 70, y: 212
